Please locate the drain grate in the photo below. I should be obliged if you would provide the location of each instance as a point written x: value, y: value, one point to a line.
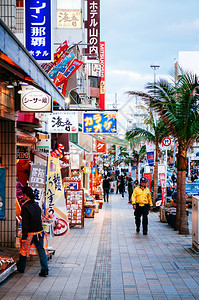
x: 100, y: 287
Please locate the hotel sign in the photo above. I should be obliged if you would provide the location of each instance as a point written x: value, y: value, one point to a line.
x: 38, y: 29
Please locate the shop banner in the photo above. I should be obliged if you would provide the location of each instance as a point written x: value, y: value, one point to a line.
x: 162, y: 178
x: 55, y: 203
x: 102, y: 80
x: 61, y: 67
x: 99, y: 147
x: 61, y: 77
x: 63, y: 122
x: 38, y: 29
x: 148, y: 177
x: 150, y: 157
x: 99, y: 123
x: 37, y: 181
x: 2, y: 192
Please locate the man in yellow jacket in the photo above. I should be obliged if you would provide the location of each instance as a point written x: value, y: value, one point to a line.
x: 141, y: 200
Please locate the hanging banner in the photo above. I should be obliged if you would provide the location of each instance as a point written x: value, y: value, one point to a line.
x: 148, y: 177
x: 37, y: 181
x: 2, y: 192
x: 99, y: 123
x: 55, y: 203
x: 61, y: 77
x: 38, y: 29
x: 163, y: 188
x: 62, y: 122
x: 61, y: 66
x: 150, y: 157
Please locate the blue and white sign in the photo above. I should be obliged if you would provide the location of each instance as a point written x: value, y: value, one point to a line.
x: 150, y: 157
x: 38, y: 29
x: 100, y: 123
x: 2, y: 192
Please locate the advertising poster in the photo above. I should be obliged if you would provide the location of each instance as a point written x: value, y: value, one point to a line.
x: 163, y: 188
x: 99, y: 123
x: 55, y: 204
x: 63, y: 122
x: 150, y: 157
x: 2, y: 192
x: 148, y: 177
x: 38, y: 29
x: 37, y: 181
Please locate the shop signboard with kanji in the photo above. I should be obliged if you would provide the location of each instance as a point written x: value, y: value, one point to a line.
x: 75, y: 206
x: 2, y: 192
x: 63, y: 122
x: 54, y: 197
x: 100, y: 122
x: 22, y: 152
x: 34, y: 100
x: 38, y: 29
x: 37, y: 181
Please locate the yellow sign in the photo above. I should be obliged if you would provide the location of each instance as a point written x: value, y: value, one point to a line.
x: 69, y: 18
x: 102, y: 87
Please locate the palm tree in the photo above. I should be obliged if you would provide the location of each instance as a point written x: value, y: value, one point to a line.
x: 156, y: 134
x: 177, y: 104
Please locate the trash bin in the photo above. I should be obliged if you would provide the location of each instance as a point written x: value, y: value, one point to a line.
x: 195, y: 223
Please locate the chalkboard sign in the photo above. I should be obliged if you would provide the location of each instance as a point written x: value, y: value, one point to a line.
x: 75, y: 206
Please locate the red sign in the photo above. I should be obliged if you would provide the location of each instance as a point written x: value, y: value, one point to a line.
x: 102, y: 81
x: 163, y: 188
x: 99, y: 147
x: 93, y: 29
x: 61, y: 77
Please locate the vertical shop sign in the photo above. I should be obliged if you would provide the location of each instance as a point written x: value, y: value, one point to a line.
x: 99, y: 147
x: 37, y: 181
x: 162, y: 178
x: 93, y: 29
x: 2, y: 192
x: 102, y: 81
x: 150, y: 157
x: 148, y: 177
x: 38, y: 29
x: 55, y: 198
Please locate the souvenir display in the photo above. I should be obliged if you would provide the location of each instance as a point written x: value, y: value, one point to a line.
x: 75, y: 206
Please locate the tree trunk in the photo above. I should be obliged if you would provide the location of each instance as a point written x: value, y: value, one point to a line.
x: 137, y: 165
x: 179, y: 179
x: 181, y: 188
x: 183, y: 229
x: 155, y: 175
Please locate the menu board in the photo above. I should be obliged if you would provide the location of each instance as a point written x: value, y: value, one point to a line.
x: 75, y: 206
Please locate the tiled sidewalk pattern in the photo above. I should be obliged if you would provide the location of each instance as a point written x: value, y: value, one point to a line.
x: 108, y: 260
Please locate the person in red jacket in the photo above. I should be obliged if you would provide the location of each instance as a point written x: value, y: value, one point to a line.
x: 32, y: 232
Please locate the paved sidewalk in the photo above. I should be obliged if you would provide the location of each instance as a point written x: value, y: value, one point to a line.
x: 108, y: 260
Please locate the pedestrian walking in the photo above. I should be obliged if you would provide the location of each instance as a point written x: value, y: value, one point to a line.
x: 142, y: 202
x: 118, y: 184
x: 32, y: 232
x: 106, y: 188
x: 122, y: 186
x: 130, y: 188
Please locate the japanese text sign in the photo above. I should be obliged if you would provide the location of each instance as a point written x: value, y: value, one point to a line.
x: 2, y: 192
x: 37, y: 181
x: 69, y: 18
x: 34, y: 100
x: 93, y: 29
x: 99, y: 123
x: 99, y: 147
x: 162, y: 178
x: 55, y: 198
x: 62, y: 122
x: 38, y: 29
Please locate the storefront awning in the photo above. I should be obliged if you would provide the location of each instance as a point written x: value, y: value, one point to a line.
x: 77, y: 149
x: 26, y: 139
x: 15, y: 58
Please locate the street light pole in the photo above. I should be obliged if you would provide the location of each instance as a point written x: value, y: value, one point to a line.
x: 155, y: 67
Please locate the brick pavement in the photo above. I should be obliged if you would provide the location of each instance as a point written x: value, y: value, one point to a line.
x: 108, y: 260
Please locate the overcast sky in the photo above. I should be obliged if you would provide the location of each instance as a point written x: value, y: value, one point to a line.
x: 138, y: 33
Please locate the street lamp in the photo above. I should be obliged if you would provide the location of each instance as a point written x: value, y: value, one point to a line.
x: 154, y: 66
